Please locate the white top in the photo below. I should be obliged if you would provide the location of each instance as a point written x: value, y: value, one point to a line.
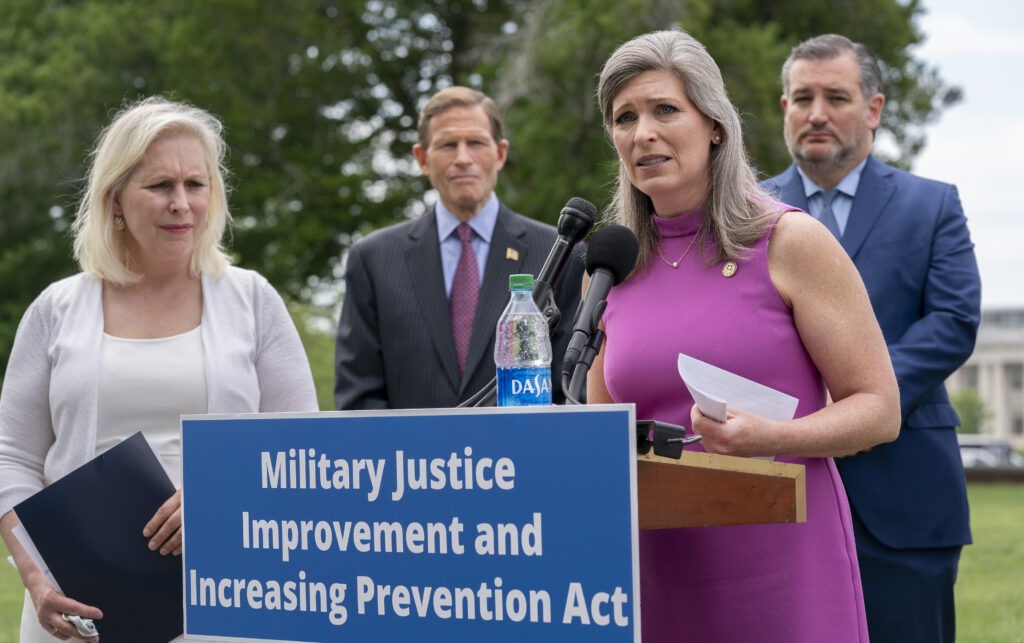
x: 252, y: 361
x: 147, y: 385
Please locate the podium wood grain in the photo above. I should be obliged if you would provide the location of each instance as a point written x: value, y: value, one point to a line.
x: 703, y: 490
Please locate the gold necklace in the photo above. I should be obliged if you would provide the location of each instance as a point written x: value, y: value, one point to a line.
x: 675, y: 264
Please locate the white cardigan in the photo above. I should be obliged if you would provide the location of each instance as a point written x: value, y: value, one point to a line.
x: 254, y: 362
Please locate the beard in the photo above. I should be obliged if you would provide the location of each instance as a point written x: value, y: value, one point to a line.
x: 821, y: 163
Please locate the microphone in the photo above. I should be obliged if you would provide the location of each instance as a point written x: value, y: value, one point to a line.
x: 611, y: 256
x: 574, y: 222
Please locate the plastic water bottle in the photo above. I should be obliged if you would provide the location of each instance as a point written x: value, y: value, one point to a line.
x: 522, y: 349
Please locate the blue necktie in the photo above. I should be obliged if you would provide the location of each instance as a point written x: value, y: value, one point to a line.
x: 826, y: 216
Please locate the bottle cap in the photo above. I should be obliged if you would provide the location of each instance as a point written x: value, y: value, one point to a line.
x: 520, y: 282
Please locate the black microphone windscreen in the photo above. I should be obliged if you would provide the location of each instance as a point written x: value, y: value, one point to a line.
x: 576, y: 219
x: 582, y: 205
x: 614, y: 248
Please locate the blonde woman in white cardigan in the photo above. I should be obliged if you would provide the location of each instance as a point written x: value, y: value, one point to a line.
x: 157, y: 324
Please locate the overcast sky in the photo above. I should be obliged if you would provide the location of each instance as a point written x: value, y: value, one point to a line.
x: 978, y: 144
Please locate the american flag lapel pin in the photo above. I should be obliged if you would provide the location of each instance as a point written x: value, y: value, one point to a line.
x: 511, y: 254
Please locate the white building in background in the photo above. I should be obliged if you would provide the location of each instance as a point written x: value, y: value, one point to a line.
x: 996, y: 371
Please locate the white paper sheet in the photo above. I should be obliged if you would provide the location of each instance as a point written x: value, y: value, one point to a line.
x: 713, y: 388
x: 708, y: 404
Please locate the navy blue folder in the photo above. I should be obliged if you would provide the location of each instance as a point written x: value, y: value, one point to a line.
x: 88, y: 525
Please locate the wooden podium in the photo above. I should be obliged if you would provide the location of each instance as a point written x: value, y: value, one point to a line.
x: 702, y: 490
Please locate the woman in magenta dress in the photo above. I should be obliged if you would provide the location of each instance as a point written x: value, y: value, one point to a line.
x: 730, y: 277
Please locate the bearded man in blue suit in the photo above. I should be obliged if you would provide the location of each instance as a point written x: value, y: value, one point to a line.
x: 909, y: 239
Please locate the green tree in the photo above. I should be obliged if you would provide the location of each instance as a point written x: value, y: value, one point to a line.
x: 972, y: 410
x: 548, y: 86
x: 319, y: 103
x: 320, y: 99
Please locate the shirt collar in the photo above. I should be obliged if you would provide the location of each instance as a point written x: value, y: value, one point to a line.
x: 848, y: 186
x: 482, y: 223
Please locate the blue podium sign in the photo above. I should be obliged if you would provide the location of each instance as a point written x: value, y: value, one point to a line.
x: 430, y: 525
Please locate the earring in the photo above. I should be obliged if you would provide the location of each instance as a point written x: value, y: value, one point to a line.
x: 716, y: 140
x: 119, y: 222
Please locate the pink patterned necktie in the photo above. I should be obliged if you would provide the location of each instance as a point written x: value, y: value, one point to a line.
x: 465, y: 290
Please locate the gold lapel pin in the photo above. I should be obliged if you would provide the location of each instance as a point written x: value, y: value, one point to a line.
x: 511, y: 254
x: 729, y: 269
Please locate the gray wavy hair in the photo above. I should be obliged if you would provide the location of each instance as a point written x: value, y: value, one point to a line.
x: 736, y: 211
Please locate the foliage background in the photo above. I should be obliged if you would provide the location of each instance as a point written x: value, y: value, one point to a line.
x: 971, y: 408
x: 319, y: 99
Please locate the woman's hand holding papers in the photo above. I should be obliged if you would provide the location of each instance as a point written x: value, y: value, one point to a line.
x: 51, y: 606
x: 742, y: 434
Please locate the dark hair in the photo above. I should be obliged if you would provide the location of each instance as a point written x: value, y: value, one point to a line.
x: 829, y: 46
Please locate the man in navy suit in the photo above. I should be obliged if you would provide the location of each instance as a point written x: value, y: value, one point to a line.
x: 396, y: 346
x: 908, y: 238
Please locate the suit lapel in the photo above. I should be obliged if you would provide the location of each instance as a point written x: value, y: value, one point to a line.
x: 874, y: 191
x: 792, y: 189
x: 423, y: 261
x: 507, y: 256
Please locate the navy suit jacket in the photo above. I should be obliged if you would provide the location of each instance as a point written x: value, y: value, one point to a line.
x: 908, y: 238
x: 394, y: 345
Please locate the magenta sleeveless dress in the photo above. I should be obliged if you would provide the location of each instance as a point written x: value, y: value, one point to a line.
x: 763, y: 583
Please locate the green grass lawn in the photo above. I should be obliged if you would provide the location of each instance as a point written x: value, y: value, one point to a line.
x: 990, y: 591
x: 990, y: 588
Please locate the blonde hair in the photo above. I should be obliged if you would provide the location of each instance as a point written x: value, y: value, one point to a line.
x: 736, y: 212
x: 99, y: 248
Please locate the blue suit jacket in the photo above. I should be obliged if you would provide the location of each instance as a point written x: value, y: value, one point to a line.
x: 908, y: 238
x: 394, y: 344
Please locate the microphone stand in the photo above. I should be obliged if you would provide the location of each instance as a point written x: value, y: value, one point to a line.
x: 544, y: 297
x: 576, y: 385
x: 487, y: 396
